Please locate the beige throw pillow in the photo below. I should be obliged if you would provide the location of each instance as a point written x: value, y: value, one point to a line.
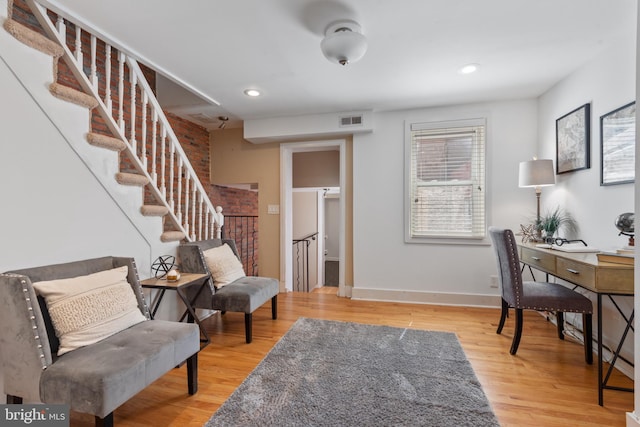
x: 88, y: 309
x: 224, y: 265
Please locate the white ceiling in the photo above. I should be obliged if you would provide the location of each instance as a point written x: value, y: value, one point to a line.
x: 220, y: 48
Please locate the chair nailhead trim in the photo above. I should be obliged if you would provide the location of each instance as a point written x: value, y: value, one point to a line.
x: 141, y: 295
x: 34, y: 325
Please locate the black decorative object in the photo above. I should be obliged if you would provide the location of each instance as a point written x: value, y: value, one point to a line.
x: 626, y: 224
x: 162, y: 265
x: 573, y: 140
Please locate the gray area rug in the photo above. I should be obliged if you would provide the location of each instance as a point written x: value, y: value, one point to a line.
x: 327, y: 373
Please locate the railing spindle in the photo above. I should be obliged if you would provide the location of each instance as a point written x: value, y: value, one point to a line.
x: 133, y: 81
x: 107, y: 78
x: 61, y: 27
x: 121, y: 91
x: 154, y: 143
x: 193, y: 211
x: 200, y: 219
x: 187, y: 178
x: 94, y: 70
x: 206, y: 227
x: 163, y: 172
x: 143, y: 142
x: 179, y: 181
x: 78, y: 47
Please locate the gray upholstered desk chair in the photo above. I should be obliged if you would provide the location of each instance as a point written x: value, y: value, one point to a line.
x: 540, y: 296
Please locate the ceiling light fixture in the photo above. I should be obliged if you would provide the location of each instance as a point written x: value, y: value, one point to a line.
x: 343, y: 42
x: 252, y: 92
x: 469, y: 68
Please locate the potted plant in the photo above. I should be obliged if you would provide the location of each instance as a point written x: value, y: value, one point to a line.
x: 551, y: 222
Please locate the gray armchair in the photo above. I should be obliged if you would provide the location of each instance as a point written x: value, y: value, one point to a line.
x: 243, y: 295
x: 540, y: 296
x: 96, y: 378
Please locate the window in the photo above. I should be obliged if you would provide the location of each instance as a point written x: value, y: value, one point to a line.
x: 445, y: 191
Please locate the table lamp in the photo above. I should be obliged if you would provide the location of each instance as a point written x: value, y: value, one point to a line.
x: 537, y: 173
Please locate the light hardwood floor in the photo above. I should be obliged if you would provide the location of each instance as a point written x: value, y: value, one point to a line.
x: 546, y: 384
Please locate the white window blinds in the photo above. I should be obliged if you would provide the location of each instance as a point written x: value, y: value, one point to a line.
x: 447, y: 180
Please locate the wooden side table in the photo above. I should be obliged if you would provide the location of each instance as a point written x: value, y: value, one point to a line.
x: 186, y: 280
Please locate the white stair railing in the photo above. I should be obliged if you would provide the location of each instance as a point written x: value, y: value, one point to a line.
x: 153, y: 149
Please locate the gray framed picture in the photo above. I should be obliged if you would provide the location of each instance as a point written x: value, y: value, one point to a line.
x: 618, y: 145
x: 573, y: 140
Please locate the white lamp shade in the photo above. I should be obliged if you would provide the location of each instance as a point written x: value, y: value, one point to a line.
x: 536, y: 173
x: 343, y: 43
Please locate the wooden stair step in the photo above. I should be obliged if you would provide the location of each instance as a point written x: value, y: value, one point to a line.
x: 154, y: 210
x: 105, y: 141
x: 126, y: 178
x: 172, y: 236
x: 69, y: 94
x: 33, y: 38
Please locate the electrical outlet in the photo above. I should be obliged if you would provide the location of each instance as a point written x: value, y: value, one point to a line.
x: 493, y: 281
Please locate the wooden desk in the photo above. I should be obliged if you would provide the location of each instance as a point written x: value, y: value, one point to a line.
x: 582, y: 269
x: 602, y: 278
x: 185, y: 280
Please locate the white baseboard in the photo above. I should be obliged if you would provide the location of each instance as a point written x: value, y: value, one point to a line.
x: 632, y: 420
x: 421, y: 297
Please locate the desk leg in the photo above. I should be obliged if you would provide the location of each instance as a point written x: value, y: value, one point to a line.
x: 616, y: 352
x: 600, y: 385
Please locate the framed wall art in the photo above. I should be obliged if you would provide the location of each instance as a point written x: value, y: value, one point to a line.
x: 618, y: 145
x: 573, y: 140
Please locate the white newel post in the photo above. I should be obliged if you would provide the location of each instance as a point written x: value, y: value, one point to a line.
x: 218, y: 222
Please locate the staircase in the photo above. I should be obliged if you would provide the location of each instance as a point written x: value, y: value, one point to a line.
x: 142, y: 153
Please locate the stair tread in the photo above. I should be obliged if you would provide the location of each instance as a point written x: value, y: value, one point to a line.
x: 126, y: 178
x: 69, y: 94
x: 33, y: 38
x: 105, y: 141
x: 154, y: 210
x: 172, y: 236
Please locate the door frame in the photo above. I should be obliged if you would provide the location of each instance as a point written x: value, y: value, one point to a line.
x: 286, y: 212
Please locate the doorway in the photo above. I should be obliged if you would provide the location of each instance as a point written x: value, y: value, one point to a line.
x: 331, y: 197
x: 286, y: 199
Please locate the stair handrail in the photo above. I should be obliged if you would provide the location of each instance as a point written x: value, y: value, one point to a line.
x: 89, y: 83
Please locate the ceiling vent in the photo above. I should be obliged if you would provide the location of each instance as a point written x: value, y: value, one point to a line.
x: 351, y: 121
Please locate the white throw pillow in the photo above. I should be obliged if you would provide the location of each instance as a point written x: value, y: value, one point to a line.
x: 224, y: 265
x: 88, y: 309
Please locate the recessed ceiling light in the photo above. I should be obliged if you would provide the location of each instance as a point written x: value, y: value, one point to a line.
x: 469, y: 68
x: 252, y: 92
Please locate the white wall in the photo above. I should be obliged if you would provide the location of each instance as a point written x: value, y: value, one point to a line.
x: 385, y: 267
x: 607, y: 82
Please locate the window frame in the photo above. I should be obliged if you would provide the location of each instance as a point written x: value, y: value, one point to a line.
x: 444, y: 124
